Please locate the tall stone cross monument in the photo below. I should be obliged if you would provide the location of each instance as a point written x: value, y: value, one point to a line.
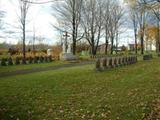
x: 66, y: 52
x: 64, y: 48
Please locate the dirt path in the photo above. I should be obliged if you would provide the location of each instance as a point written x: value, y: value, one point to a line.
x: 28, y: 71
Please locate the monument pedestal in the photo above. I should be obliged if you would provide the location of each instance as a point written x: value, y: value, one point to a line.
x: 67, y: 56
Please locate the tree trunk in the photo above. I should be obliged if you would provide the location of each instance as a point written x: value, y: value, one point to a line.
x: 93, y: 50
x: 142, y: 44
x: 116, y: 42
x: 112, y: 39
x: 106, y: 45
x: 106, y: 48
x: 74, y: 28
x: 158, y: 35
x: 74, y: 39
x: 74, y: 47
x: 24, y: 45
x: 135, y: 35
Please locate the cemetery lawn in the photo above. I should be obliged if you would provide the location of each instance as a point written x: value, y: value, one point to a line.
x: 29, y: 66
x: 81, y: 93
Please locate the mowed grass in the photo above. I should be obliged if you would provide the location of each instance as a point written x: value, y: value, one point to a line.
x: 82, y: 93
x: 30, y: 66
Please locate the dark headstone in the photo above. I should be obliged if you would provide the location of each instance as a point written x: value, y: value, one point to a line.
x: 17, y: 61
x: 3, y: 62
x: 113, y: 62
x: 110, y: 62
x: 147, y: 57
x: 120, y: 61
x: 41, y: 59
x: 123, y: 60
x: 35, y: 60
x: 50, y: 59
x: 10, y: 61
x: 104, y: 63
x: 107, y: 62
x: 24, y: 61
x: 30, y: 60
x: 98, y: 64
x: 45, y: 59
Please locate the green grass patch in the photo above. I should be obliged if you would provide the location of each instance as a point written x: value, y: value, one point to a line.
x: 30, y: 66
x: 82, y: 93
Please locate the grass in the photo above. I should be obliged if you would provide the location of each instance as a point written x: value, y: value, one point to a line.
x: 30, y: 66
x: 82, y: 93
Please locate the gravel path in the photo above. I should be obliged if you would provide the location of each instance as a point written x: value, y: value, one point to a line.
x: 28, y: 71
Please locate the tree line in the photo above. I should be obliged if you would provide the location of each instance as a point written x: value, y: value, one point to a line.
x: 93, y: 20
x: 142, y: 12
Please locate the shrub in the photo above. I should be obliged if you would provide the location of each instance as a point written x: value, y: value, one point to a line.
x: 44, y: 51
x: 17, y: 62
x: 29, y: 50
x: 12, y: 51
x: 3, y: 62
x: 10, y: 61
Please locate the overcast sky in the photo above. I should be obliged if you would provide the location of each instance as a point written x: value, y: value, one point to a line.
x: 40, y: 17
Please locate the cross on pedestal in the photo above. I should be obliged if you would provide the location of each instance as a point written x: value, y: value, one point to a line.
x: 66, y: 35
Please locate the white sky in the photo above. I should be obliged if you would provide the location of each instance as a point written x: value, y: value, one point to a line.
x: 39, y: 16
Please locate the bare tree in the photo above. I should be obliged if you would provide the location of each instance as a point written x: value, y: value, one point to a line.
x: 154, y: 6
x: 116, y: 14
x: 43, y: 2
x: 133, y: 15
x: 34, y: 39
x: 23, y: 7
x: 2, y: 14
x: 158, y: 35
x: 142, y: 17
x: 106, y: 16
x: 92, y: 22
x: 70, y: 13
x: 119, y: 13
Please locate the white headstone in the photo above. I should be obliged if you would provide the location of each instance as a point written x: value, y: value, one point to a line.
x: 69, y: 48
x: 67, y: 55
x: 49, y: 52
x: 64, y: 48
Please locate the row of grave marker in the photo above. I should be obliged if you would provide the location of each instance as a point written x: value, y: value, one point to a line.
x: 30, y: 60
x: 112, y: 62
